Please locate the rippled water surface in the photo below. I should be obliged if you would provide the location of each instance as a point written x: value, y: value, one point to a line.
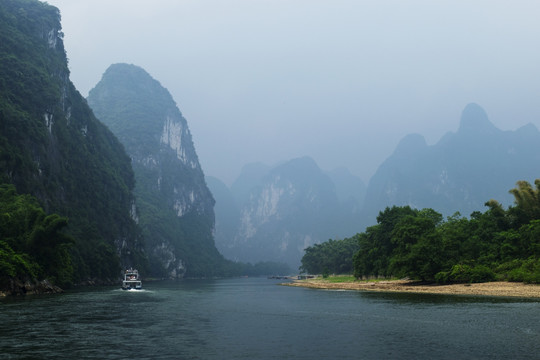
x: 256, y: 319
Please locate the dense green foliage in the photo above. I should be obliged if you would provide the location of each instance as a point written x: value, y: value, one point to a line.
x: 332, y: 256
x: 32, y: 243
x: 419, y: 244
x: 53, y: 148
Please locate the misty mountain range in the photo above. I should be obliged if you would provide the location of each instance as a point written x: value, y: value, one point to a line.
x: 275, y: 212
x: 459, y: 173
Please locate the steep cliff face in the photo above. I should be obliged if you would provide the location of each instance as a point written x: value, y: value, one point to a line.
x: 52, y: 146
x: 227, y: 215
x: 284, y: 210
x: 175, y: 205
x: 459, y: 173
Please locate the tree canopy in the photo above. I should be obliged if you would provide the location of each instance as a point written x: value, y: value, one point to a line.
x: 32, y: 243
x: 419, y: 244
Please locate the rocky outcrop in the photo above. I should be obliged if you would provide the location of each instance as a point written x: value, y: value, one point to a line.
x: 16, y: 287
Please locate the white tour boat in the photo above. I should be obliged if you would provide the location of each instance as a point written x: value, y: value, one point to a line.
x: 131, y: 280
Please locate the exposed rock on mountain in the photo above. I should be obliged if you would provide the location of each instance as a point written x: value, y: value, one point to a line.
x: 175, y: 206
x: 52, y: 146
x: 283, y: 210
x: 459, y: 173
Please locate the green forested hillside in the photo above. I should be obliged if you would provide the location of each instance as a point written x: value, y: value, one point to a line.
x: 52, y: 146
x: 405, y: 242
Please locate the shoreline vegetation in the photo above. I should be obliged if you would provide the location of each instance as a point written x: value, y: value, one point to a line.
x: 497, y: 288
x: 496, y: 245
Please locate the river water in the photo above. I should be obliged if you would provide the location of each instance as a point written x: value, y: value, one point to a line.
x: 257, y: 319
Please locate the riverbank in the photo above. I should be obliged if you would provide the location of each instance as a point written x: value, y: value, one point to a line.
x: 21, y: 287
x: 17, y: 287
x: 500, y: 288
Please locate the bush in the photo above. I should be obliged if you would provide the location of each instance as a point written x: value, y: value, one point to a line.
x: 442, y: 277
x: 528, y: 272
x: 481, y: 273
x: 16, y: 265
x: 460, y: 273
x: 325, y: 273
x: 465, y: 274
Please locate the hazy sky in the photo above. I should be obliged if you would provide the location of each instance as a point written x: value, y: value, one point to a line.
x: 342, y: 81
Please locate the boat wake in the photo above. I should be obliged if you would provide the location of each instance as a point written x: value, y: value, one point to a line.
x: 133, y: 291
x: 136, y: 290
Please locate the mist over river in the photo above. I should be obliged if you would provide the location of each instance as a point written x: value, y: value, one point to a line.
x: 254, y: 318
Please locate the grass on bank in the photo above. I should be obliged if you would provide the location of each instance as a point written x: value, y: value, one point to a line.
x: 346, y: 279
x: 339, y: 279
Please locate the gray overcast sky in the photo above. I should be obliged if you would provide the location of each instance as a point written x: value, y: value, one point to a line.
x: 342, y: 81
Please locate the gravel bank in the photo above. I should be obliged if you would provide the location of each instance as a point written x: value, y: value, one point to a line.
x: 486, y: 289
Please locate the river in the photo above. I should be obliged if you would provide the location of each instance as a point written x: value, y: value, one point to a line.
x: 254, y: 318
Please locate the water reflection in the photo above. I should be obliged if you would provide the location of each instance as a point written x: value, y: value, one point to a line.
x: 416, y: 298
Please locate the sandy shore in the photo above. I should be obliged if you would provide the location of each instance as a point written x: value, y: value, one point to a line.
x: 485, y: 289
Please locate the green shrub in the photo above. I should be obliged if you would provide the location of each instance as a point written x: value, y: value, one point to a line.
x: 481, y: 273
x: 13, y: 264
x: 528, y: 272
x: 325, y: 273
x: 461, y: 273
x: 442, y: 277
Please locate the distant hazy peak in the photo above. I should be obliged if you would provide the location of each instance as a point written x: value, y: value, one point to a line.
x: 528, y: 129
x: 122, y: 78
x: 126, y: 68
x: 255, y: 168
x: 411, y: 144
x: 122, y: 72
x: 475, y: 120
x: 304, y: 162
x: 298, y: 167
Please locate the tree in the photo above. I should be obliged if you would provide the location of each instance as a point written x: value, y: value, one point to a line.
x: 527, y: 202
x: 33, y: 243
x: 417, y: 246
x: 332, y: 256
x: 373, y: 257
